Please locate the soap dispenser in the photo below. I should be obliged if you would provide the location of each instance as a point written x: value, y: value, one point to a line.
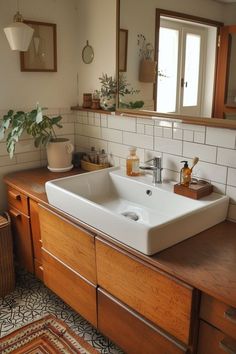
x: 185, y: 174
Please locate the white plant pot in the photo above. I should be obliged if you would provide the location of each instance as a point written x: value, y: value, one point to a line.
x: 59, y: 155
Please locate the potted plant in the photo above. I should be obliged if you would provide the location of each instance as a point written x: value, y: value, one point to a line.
x: 41, y: 128
x: 109, y: 90
x: 147, y: 70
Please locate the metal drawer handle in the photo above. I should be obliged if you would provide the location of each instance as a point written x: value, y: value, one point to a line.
x: 16, y: 196
x: 41, y: 268
x: 15, y: 213
x: 228, y: 347
x: 230, y: 314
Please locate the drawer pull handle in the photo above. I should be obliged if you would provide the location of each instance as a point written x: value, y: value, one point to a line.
x: 41, y: 268
x: 16, y: 196
x: 230, y: 314
x: 228, y: 346
x: 15, y: 213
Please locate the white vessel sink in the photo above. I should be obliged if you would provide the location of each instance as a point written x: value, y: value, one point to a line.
x: 106, y: 199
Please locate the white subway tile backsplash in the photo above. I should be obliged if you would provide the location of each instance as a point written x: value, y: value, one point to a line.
x: 167, y: 133
x: 199, y: 137
x: 168, y: 145
x: 98, y: 144
x: 219, y: 137
x: 118, y: 149
x: 204, y: 152
x: 145, y: 121
x: 172, y: 162
x: 231, y: 192
x: 231, y: 180
x: 91, y: 131
x: 139, y: 140
x: 140, y: 128
x: 211, y: 172
x: 226, y: 157
x: 177, y: 134
x: 149, y: 130
x: 158, y: 131
x: 104, y: 120
x: 122, y: 123
x: 112, y: 135
x: 188, y: 135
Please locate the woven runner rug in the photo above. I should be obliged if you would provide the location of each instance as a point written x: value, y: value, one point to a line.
x: 48, y: 335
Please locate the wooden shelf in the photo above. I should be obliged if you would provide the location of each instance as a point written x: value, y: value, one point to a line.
x: 101, y: 111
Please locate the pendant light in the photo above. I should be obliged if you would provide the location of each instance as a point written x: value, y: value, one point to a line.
x: 18, y: 33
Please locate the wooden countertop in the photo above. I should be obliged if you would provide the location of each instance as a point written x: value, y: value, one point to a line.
x: 206, y: 261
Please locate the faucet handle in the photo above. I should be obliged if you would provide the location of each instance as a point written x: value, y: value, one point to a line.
x: 156, y: 161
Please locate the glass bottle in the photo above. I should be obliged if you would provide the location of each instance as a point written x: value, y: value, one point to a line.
x: 132, y: 163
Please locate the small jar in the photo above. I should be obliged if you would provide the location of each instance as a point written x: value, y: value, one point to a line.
x: 87, y: 100
x: 132, y: 163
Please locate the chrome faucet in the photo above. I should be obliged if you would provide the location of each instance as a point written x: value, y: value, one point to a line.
x: 155, y: 168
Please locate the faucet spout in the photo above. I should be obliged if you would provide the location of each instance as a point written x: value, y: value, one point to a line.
x: 155, y: 168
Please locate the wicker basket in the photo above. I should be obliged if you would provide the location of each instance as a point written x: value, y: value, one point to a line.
x: 89, y: 166
x: 7, y: 273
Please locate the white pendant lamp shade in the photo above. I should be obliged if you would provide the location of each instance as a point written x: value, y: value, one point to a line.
x: 19, y: 35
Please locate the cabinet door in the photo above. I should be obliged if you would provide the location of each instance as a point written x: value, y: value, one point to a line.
x: 130, y: 331
x: 22, y: 239
x: 162, y: 299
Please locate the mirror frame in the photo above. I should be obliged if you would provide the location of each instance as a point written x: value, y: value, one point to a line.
x: 212, y: 122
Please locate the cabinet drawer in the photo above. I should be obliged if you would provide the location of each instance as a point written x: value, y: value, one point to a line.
x: 213, y: 341
x: 219, y: 315
x: 69, y: 243
x: 18, y: 200
x: 130, y: 331
x: 71, y: 287
x: 160, y: 298
x: 22, y: 239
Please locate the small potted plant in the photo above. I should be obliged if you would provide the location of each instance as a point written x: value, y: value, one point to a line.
x: 110, y: 88
x: 41, y: 128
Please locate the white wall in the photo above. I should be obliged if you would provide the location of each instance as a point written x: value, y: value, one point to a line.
x: 24, y: 89
x: 21, y: 90
x: 97, y: 24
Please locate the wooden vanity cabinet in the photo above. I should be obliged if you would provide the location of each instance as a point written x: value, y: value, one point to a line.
x: 69, y: 267
x: 217, y: 328
x: 18, y: 207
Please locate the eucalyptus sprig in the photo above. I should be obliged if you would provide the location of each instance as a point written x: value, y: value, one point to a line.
x: 34, y: 123
x: 110, y: 87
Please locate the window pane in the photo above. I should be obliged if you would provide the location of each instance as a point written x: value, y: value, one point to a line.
x: 191, y: 72
x: 167, y: 70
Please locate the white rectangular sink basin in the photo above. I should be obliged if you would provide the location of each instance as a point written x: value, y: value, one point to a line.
x: 108, y: 200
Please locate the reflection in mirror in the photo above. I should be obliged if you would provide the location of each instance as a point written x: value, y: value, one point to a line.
x: 192, y: 79
x: 87, y: 53
x: 231, y: 89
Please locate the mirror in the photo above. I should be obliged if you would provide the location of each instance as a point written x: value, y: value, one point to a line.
x: 139, y: 18
x: 87, y: 54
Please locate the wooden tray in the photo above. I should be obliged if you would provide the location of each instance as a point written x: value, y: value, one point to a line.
x: 194, y: 191
x: 89, y: 166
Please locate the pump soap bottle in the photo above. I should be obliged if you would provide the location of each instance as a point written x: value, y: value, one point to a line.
x: 132, y: 163
x: 185, y: 174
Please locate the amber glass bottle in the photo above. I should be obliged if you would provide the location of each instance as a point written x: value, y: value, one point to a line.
x: 185, y: 174
x: 132, y: 163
